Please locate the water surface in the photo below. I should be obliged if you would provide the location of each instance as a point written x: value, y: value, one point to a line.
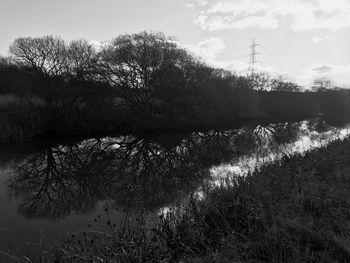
x: 49, y: 188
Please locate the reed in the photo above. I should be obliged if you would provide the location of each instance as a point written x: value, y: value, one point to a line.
x: 293, y: 210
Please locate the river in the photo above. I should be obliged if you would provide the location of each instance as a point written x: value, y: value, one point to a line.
x: 51, y: 187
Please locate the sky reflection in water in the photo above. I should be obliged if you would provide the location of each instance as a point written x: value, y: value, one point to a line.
x: 47, y: 188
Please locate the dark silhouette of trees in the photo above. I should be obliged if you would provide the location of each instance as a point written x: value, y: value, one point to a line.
x: 53, y: 57
x: 82, y: 60
x: 334, y: 102
x: 261, y: 81
x: 143, y: 82
x: 279, y: 84
x: 165, y: 85
x: 322, y: 84
x: 265, y: 82
x: 131, y: 63
x: 47, y: 55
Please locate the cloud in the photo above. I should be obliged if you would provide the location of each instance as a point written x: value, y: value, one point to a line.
x: 333, y: 71
x: 266, y: 14
x: 327, y: 68
x: 216, y: 23
x: 317, y: 40
x: 256, y: 21
x: 208, y: 48
x: 322, y: 69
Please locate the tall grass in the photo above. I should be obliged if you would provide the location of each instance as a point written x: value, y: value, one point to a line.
x: 295, y: 210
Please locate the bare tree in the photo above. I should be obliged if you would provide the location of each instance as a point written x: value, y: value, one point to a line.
x: 82, y: 59
x: 130, y: 62
x: 46, y: 54
x: 281, y: 84
x: 322, y: 83
x: 4, y: 61
x: 261, y: 81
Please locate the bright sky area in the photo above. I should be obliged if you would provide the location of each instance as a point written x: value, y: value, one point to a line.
x: 301, y: 39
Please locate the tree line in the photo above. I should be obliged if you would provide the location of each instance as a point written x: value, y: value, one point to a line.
x: 142, y: 81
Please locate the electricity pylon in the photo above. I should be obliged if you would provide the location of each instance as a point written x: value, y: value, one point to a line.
x: 253, y: 55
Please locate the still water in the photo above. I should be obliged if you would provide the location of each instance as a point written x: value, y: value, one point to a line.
x: 51, y: 188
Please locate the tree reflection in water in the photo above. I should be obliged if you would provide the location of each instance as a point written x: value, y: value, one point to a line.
x: 133, y: 172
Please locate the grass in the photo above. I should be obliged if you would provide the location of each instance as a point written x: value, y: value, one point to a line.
x: 296, y: 210
x: 293, y: 210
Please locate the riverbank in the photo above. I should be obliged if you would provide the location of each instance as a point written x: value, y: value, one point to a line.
x: 22, y: 118
x: 292, y: 210
x: 296, y: 210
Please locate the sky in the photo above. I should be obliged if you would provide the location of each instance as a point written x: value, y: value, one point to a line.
x: 299, y: 39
